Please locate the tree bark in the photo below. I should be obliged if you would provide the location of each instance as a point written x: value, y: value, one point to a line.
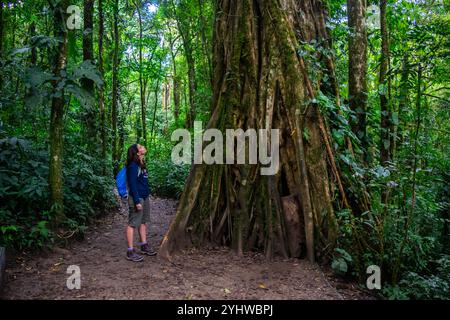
x: 185, y: 34
x: 101, y: 93
x: 88, y: 44
x: 115, y: 89
x: 357, y: 70
x: 155, y: 107
x: 175, y: 81
x: 88, y: 84
x: 176, y: 94
x: 261, y: 82
x: 385, y: 156
x: 2, y: 26
x: 33, y: 57
x: 403, y: 99
x: 57, y: 113
x: 205, y: 43
x: 142, y: 83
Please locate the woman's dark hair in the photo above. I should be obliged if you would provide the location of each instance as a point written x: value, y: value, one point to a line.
x: 132, y: 156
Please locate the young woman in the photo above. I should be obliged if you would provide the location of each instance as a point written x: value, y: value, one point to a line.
x: 138, y: 202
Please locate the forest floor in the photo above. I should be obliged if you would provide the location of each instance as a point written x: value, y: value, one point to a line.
x: 210, y: 273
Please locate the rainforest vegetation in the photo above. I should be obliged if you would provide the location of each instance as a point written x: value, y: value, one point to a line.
x: 358, y: 89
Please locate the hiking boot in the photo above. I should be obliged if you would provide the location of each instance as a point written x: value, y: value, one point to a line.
x: 145, y: 249
x: 132, y: 255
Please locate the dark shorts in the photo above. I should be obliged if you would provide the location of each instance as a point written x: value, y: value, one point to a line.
x: 136, y: 218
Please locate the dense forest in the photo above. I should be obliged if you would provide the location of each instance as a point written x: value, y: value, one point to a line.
x: 359, y: 91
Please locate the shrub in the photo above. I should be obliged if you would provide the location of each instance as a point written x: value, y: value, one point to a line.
x: 25, y: 214
x: 167, y: 179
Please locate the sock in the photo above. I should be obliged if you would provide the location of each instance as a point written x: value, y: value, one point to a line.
x: 130, y: 249
x: 142, y: 243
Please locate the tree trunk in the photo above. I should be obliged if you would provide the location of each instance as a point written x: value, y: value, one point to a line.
x: 57, y: 113
x: 261, y: 82
x: 357, y: 70
x: 2, y: 25
x: 403, y: 99
x: 176, y: 95
x: 142, y: 83
x: 167, y: 106
x: 88, y: 84
x: 192, y: 84
x: 88, y: 45
x: 175, y: 81
x: 115, y: 89
x: 101, y: 94
x: 155, y: 107
x: 205, y: 43
x: 188, y: 53
x: 33, y: 57
x: 385, y: 156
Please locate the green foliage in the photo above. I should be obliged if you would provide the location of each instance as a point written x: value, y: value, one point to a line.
x: 167, y: 179
x: 25, y: 214
x: 433, y: 285
x: 405, y: 234
x: 405, y: 227
x: 341, y: 261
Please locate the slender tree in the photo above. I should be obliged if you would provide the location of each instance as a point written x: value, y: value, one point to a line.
x: 175, y: 77
x: 88, y: 84
x: 385, y: 126
x: 357, y: 70
x: 57, y: 112
x: 115, y: 88
x: 32, y: 32
x: 142, y: 81
x: 205, y: 43
x: 184, y: 29
x: 403, y: 99
x: 2, y: 26
x: 101, y: 94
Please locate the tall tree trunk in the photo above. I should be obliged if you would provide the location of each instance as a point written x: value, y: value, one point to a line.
x: 33, y: 61
x: 175, y: 81
x: 176, y: 94
x: 205, y: 42
x: 2, y: 22
x: 403, y: 99
x: 155, y: 107
x: 57, y: 113
x: 13, y: 23
x: 416, y: 134
x: 192, y: 86
x: 142, y: 83
x: 261, y: 82
x: 115, y: 89
x: 188, y: 53
x: 101, y: 90
x: 385, y: 156
x: 357, y: 70
x: 410, y: 215
x: 166, y: 105
x: 33, y: 57
x: 88, y: 84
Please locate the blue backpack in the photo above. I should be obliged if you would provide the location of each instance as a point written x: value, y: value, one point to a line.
x: 121, y: 183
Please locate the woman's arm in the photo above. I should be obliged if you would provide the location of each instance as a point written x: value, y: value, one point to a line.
x: 132, y: 175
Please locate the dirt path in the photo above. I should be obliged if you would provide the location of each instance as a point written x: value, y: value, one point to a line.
x: 197, y: 274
